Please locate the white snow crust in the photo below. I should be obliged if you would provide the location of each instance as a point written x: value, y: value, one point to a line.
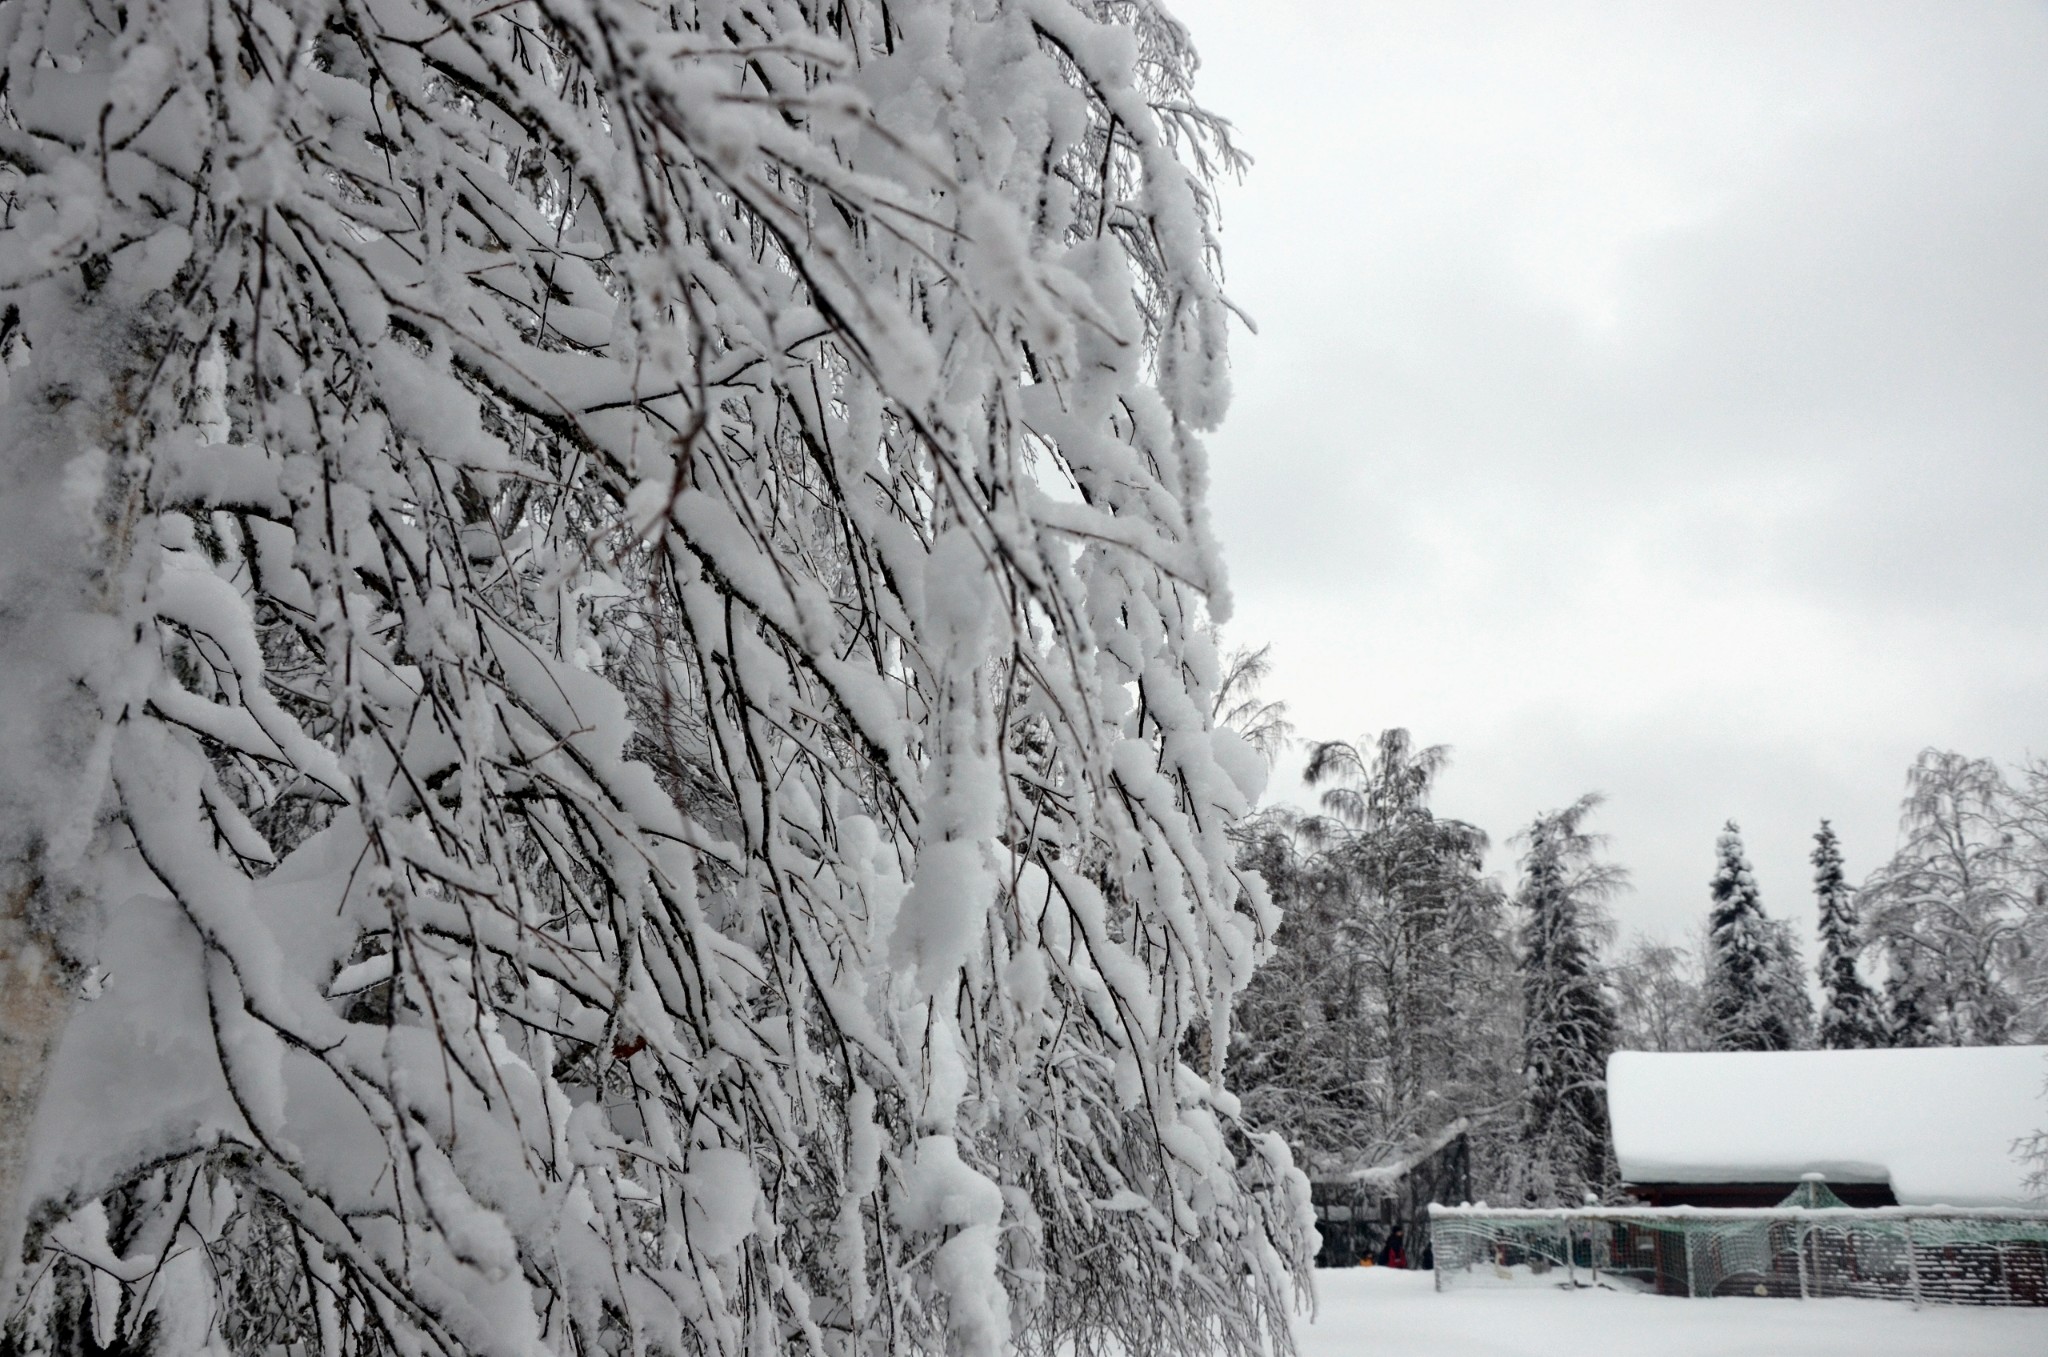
x: 1938, y: 1124
x: 1382, y: 1312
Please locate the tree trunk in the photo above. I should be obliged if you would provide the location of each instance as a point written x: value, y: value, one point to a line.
x: 34, y: 1002
x: 67, y: 526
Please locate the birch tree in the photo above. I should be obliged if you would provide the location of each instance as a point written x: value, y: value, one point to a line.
x: 603, y: 639
x: 1657, y: 997
x: 1953, y: 904
x: 1422, y: 920
x: 1382, y: 1016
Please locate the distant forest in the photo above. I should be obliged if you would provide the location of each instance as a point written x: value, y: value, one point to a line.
x: 1410, y: 989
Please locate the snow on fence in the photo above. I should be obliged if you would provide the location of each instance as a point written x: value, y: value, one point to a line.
x: 1942, y: 1255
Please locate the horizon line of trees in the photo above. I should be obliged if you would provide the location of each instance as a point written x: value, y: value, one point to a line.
x: 1410, y: 988
x: 1940, y: 945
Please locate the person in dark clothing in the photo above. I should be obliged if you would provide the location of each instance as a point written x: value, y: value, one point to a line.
x: 1394, y: 1253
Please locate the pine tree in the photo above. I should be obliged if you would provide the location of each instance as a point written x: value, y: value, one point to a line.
x: 1741, y: 1013
x: 1568, y: 1020
x: 1849, y: 1016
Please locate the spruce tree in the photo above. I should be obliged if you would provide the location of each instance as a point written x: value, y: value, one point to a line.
x: 1908, y: 1006
x: 1788, y: 1007
x: 1568, y: 1025
x: 1740, y: 1014
x: 1849, y: 1017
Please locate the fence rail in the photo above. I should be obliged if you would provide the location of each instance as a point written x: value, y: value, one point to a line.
x: 1930, y: 1255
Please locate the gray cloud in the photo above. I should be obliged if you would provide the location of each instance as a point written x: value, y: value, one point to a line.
x: 1648, y: 398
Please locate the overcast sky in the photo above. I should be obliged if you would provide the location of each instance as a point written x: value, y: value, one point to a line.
x: 1650, y: 399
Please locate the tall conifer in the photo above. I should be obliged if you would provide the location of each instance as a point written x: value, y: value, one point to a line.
x: 1788, y: 1005
x: 1568, y: 1017
x: 1740, y: 1014
x: 1849, y: 1017
x: 1908, y: 1007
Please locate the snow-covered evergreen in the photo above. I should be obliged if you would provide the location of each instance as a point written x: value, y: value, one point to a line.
x: 1850, y: 1018
x: 605, y: 647
x: 1786, y: 997
x: 1746, y: 1003
x: 1568, y: 1022
x: 1909, y: 1006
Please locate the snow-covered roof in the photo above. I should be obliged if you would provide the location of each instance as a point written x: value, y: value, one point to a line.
x: 1938, y: 1124
x: 1389, y: 1173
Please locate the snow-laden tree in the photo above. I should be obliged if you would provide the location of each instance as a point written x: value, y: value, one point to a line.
x: 1425, y: 922
x: 1909, y: 1006
x: 2028, y: 824
x: 1568, y: 1020
x: 1850, y: 1018
x: 1380, y: 1018
x: 1240, y: 703
x: 1953, y: 905
x: 1786, y: 995
x: 1744, y: 993
x: 1657, y: 1003
x: 607, y: 738
x: 1306, y: 1056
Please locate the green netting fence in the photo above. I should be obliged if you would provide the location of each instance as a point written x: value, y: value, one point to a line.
x: 1936, y: 1255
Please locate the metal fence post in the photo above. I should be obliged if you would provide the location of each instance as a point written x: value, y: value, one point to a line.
x: 1912, y: 1263
x: 1799, y: 1243
x: 1692, y: 1286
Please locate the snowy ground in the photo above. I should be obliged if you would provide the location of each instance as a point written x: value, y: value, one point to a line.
x: 1377, y: 1312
